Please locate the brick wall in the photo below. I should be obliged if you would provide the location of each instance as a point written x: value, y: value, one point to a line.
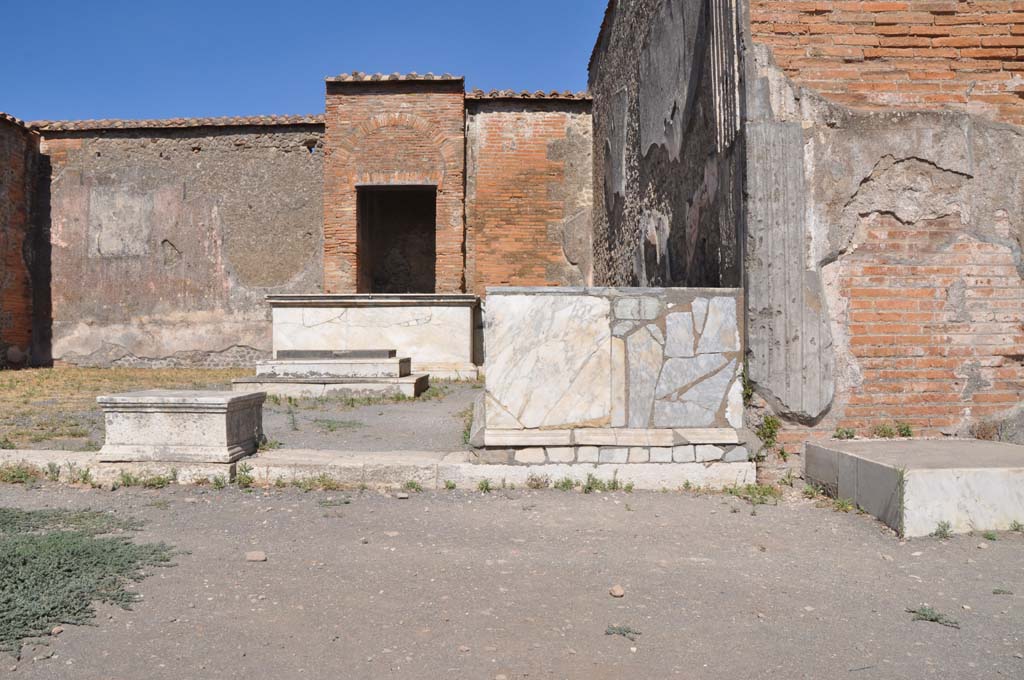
x: 18, y: 154
x: 528, y: 202
x: 917, y: 54
x: 935, y: 325
x: 390, y: 133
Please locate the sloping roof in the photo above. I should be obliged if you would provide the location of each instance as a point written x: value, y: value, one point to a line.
x: 13, y: 121
x: 525, y: 94
x: 360, y: 77
x: 224, y: 121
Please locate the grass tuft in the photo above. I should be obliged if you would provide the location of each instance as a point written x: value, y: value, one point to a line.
x: 943, y: 530
x: 926, y: 613
x: 55, y: 564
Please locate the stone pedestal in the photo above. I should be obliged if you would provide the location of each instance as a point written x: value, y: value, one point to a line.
x: 181, y: 425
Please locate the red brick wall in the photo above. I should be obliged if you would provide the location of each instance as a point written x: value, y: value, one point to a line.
x: 935, y: 320
x: 393, y: 133
x: 916, y: 54
x: 528, y: 202
x: 17, y: 152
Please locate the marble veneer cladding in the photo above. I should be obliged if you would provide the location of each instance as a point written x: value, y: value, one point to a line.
x: 567, y: 358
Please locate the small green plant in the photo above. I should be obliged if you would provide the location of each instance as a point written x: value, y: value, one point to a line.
x: 593, y: 484
x: 788, y: 479
x: 77, y: 475
x: 756, y: 494
x: 332, y: 425
x: 1001, y: 591
x: 811, y: 491
x: 333, y: 502
x: 990, y: 536
x: 243, y: 476
x: 160, y: 481
x: 842, y: 505
x: 625, y: 631
x: 19, y: 473
x: 926, y: 613
x: 904, y: 430
x: 413, y: 485
x: 943, y: 530
x: 6, y: 443
x: 748, y: 387
x: 467, y: 423
x: 628, y: 488
x: 768, y: 431
x: 565, y: 484
x: 52, y: 472
x: 884, y: 431
x: 484, y: 486
x: 687, y: 486
x: 845, y: 433
x: 449, y: 485
x: 322, y: 482
x: 535, y: 481
x: 269, y: 445
x: 127, y: 479
x: 614, y: 484
x: 218, y: 482
x: 1016, y: 526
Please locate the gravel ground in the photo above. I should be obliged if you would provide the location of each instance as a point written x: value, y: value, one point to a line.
x: 515, y: 584
x: 433, y: 422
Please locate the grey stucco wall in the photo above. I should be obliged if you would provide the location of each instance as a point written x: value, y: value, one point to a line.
x: 165, y: 242
x: 668, y: 162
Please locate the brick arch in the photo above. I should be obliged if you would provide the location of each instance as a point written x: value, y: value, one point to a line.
x: 393, y: 137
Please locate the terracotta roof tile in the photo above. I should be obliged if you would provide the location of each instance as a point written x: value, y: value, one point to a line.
x: 360, y: 77
x: 224, y: 121
x: 13, y: 121
x: 525, y: 94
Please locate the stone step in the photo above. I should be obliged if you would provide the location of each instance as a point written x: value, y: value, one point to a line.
x: 336, y: 354
x: 336, y: 368
x: 913, y: 485
x: 314, y: 386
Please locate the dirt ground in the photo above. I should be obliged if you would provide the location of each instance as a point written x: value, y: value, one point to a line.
x: 433, y: 422
x: 515, y: 584
x: 56, y: 409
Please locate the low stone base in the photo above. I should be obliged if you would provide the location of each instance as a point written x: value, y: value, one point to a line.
x: 912, y: 486
x: 320, y: 386
x: 187, y: 426
x: 392, y: 367
x: 383, y: 470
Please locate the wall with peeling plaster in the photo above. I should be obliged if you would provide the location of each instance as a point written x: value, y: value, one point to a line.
x: 667, y: 151
x: 883, y: 263
x: 165, y: 241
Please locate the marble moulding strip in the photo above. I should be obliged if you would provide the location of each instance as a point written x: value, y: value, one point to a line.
x: 611, y: 437
x: 374, y: 300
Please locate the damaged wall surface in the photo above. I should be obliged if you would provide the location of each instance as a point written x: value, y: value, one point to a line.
x: 667, y: 155
x: 165, y: 241
x: 883, y: 261
x: 19, y: 157
x: 528, y: 193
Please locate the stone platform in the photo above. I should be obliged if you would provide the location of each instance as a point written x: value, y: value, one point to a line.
x: 913, y: 485
x: 353, y: 373
x: 191, y: 426
x: 321, y: 386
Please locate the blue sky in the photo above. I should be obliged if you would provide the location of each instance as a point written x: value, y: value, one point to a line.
x: 101, y: 59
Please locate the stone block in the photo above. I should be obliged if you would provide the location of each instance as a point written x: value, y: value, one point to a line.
x: 661, y: 454
x: 531, y: 456
x: 683, y: 454
x: 707, y: 452
x: 527, y: 437
x: 738, y: 454
x: 561, y: 454
x: 587, y: 454
x: 639, y: 454
x: 181, y: 425
x: 613, y: 455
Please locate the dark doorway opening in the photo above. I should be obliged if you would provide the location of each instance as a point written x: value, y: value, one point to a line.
x: 397, y: 239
